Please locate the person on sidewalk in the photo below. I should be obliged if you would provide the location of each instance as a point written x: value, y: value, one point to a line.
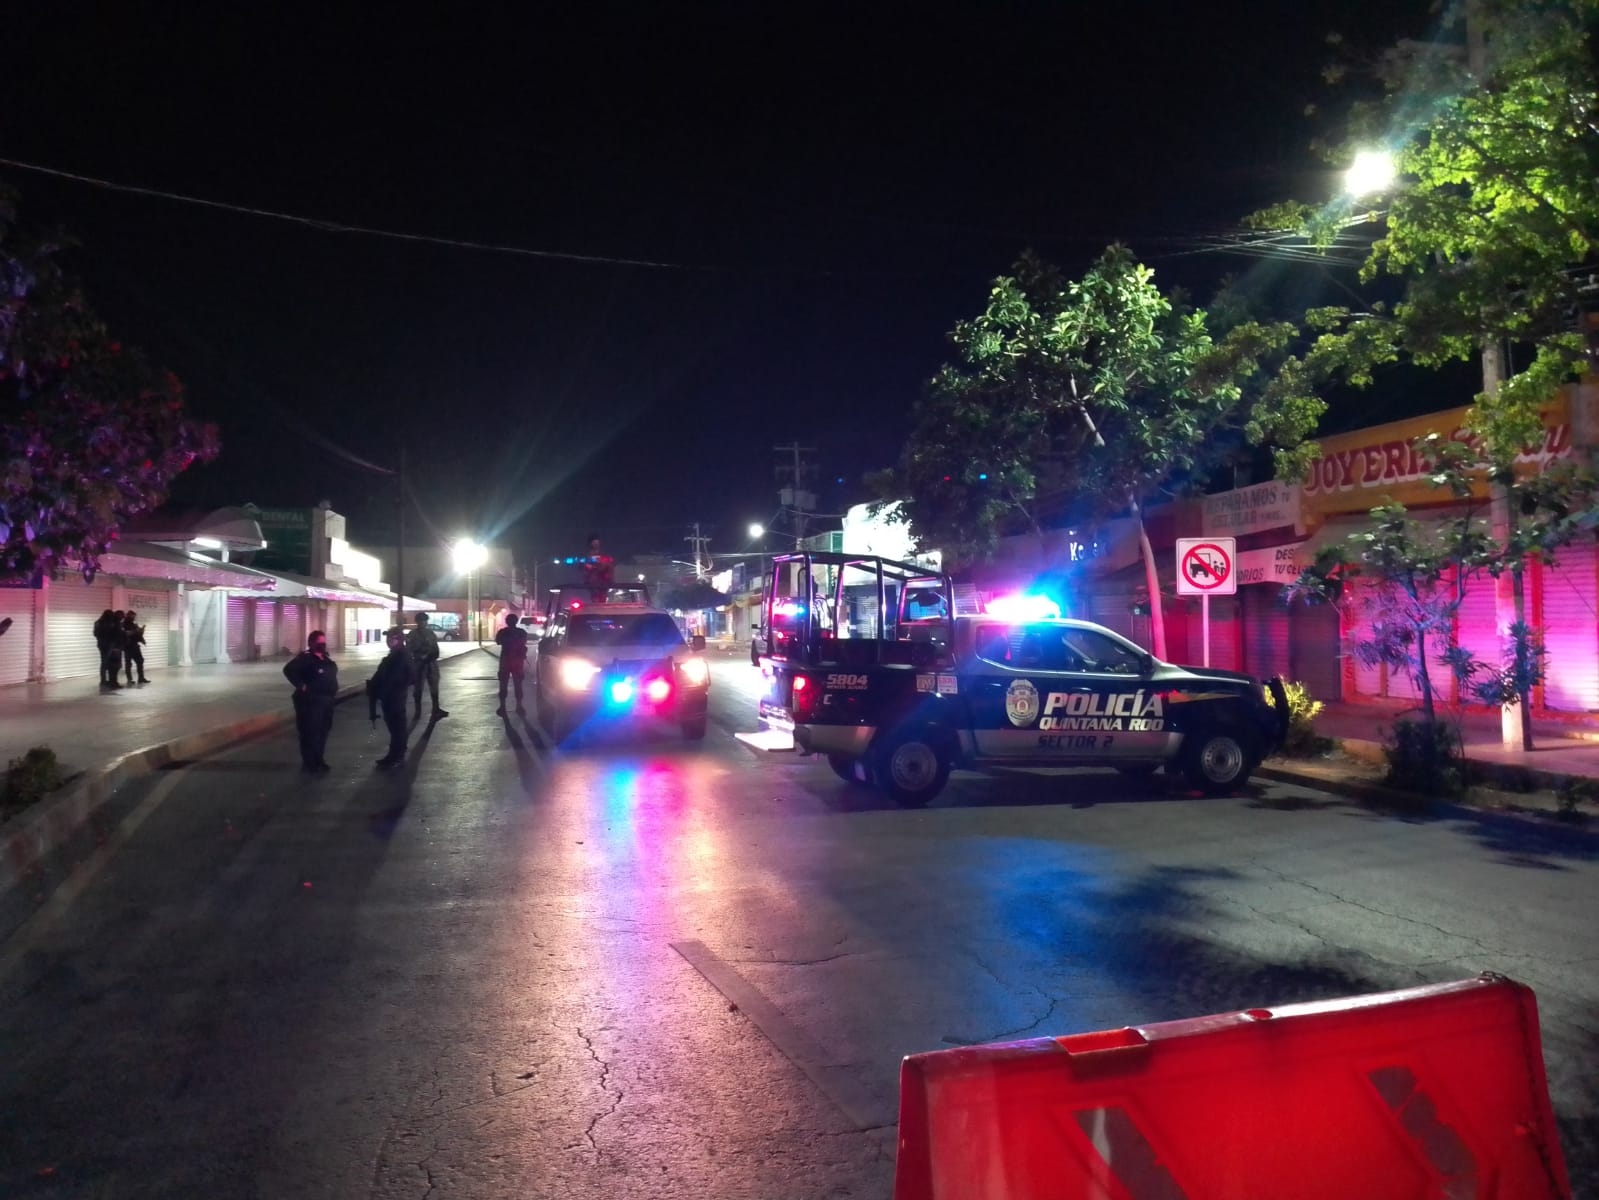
x: 132, y: 647
x: 512, y: 641
x: 315, y: 677
x: 423, y: 644
x: 108, y: 640
x: 387, y: 689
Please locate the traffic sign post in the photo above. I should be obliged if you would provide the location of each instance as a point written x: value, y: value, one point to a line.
x: 1205, y: 568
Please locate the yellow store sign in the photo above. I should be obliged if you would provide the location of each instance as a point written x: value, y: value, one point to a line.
x: 1360, y: 470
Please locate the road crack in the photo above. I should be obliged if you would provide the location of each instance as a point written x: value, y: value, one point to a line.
x: 605, y: 1086
x: 1370, y: 908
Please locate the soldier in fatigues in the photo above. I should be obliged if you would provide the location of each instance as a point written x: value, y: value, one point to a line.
x: 423, y: 644
x: 315, y: 677
x: 387, y: 690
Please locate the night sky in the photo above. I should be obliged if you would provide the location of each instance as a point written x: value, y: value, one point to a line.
x: 831, y: 191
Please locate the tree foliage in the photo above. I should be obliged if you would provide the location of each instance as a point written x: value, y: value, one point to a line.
x: 90, y: 433
x: 1075, y: 399
x: 1494, y: 129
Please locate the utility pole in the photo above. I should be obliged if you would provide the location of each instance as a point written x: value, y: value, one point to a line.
x: 399, y: 550
x: 798, y: 502
x: 699, y: 542
x: 1510, y: 589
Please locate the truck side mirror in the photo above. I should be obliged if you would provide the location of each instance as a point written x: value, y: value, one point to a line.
x: 697, y: 642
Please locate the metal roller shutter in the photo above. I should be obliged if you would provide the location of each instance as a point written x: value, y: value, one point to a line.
x: 241, y: 647
x: 1265, y: 631
x: 17, y: 643
x: 1475, y: 624
x: 292, y: 631
x: 1314, y: 651
x: 1570, y: 631
x: 154, y: 611
x: 71, y: 609
x: 203, y: 614
x: 1225, y: 642
x: 1113, y: 610
x: 1368, y: 680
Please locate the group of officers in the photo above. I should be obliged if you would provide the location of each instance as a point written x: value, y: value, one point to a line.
x: 120, y: 639
x: 411, y: 663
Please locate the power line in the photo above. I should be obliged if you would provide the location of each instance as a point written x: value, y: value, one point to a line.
x: 326, y: 226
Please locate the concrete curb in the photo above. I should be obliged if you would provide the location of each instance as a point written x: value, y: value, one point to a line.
x: 47, y: 827
x: 1510, y: 777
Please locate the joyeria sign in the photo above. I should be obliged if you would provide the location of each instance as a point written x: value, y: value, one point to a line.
x: 1357, y: 470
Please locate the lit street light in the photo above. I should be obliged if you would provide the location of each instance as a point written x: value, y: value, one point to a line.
x: 757, y: 529
x: 1372, y: 172
x: 468, y: 557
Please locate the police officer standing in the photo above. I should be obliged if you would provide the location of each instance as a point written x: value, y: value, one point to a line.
x: 133, y: 646
x: 423, y: 644
x: 387, y: 689
x: 315, y: 677
x: 512, y: 641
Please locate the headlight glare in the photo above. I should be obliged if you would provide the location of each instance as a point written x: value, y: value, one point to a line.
x: 577, y: 674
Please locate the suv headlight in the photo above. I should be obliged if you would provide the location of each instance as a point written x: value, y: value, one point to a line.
x: 577, y: 674
x: 695, y: 671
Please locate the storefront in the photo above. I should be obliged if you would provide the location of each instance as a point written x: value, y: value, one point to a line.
x: 1281, y: 528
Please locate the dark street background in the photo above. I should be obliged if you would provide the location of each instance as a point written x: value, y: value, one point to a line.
x: 825, y: 193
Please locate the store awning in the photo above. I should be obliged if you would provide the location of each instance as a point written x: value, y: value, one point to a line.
x: 344, y: 592
x: 145, y: 560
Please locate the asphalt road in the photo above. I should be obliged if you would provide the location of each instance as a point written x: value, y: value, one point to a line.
x: 650, y: 969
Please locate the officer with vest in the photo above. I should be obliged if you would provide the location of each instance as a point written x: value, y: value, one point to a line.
x: 423, y: 644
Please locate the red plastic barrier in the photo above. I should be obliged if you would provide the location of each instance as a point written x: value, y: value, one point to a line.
x: 1434, y: 1093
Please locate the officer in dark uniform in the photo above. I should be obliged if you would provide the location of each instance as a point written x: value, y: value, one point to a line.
x: 315, y: 677
x: 133, y: 646
x: 388, y: 688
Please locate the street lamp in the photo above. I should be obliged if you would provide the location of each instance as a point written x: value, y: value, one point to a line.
x: 757, y: 530
x: 468, y: 557
x: 1372, y: 172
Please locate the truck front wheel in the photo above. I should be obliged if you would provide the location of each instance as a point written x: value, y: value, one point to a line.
x: 912, y: 767
x: 1217, y: 761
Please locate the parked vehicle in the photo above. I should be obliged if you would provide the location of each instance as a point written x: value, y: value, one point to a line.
x: 897, y: 676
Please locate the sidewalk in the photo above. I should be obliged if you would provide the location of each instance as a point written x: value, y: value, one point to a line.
x: 88, y: 728
x: 1559, y: 748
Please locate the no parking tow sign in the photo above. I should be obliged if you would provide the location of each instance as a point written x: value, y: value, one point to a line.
x: 1205, y: 566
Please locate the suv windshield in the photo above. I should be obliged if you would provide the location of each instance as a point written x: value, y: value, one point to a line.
x: 635, y: 629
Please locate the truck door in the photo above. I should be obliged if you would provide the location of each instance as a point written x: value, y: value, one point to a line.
x: 1005, y: 684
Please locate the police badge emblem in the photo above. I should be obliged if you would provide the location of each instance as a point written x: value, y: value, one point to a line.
x: 1021, y: 703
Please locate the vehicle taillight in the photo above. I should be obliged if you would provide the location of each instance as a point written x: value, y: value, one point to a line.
x: 657, y: 690
x: 800, y: 683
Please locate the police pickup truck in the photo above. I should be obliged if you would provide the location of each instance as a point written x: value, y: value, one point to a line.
x: 897, y: 675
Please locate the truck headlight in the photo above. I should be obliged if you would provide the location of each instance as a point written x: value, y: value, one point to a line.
x: 695, y: 671
x: 577, y: 674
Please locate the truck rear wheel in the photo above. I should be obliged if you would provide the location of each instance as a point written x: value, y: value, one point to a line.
x: 1217, y: 761
x: 912, y: 767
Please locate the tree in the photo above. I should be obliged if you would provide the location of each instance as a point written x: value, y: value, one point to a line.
x: 90, y: 433
x: 1076, y: 401
x: 1496, y: 147
x: 1402, y: 583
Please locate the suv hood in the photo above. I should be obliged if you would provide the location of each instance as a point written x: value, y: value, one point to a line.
x: 1169, y: 673
x: 604, y: 656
